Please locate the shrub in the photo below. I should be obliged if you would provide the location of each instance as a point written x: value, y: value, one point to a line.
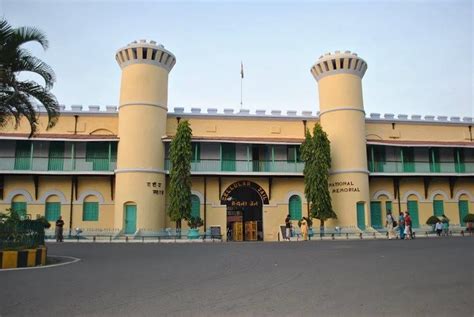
x: 432, y: 220
x: 195, y: 222
x: 469, y: 218
x: 17, y: 234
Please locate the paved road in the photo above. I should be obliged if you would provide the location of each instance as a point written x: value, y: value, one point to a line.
x: 423, y: 277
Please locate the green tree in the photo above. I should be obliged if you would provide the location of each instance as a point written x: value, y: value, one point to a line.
x: 180, y: 174
x: 316, y: 153
x: 18, y: 97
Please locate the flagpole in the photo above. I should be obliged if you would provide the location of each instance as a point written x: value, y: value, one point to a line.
x: 241, y: 82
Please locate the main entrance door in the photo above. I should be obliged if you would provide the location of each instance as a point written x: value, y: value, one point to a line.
x: 244, y: 202
x: 130, y: 219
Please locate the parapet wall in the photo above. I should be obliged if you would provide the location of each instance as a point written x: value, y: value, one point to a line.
x: 290, y: 114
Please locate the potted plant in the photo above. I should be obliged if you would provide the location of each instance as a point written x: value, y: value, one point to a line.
x: 469, y: 220
x: 194, y: 223
x: 432, y: 221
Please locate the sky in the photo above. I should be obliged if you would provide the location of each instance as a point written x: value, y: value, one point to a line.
x: 419, y: 53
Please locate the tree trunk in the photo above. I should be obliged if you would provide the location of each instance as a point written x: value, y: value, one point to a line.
x: 321, y: 228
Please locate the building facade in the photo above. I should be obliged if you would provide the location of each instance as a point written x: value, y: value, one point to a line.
x: 108, y: 169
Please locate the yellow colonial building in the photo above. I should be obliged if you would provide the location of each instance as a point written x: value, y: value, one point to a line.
x: 106, y: 169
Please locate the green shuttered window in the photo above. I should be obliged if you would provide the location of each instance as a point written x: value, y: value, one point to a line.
x: 98, y: 153
x: 412, y: 206
x: 376, y: 214
x: 20, y: 208
x: 90, y: 211
x: 195, y: 206
x: 228, y: 157
x: 52, y: 211
x: 463, y: 210
x: 56, y: 156
x: 196, y: 149
x: 360, y: 215
x: 293, y: 153
x: 23, y: 155
x: 438, y: 208
x: 294, y: 206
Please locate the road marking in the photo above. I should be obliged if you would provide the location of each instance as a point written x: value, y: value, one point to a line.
x: 73, y: 260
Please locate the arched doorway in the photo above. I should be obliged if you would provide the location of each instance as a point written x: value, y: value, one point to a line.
x: 244, y: 201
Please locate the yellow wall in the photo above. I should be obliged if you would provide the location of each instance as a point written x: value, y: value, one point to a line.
x: 95, y: 186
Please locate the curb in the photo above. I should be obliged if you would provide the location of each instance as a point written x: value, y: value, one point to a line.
x: 23, y: 258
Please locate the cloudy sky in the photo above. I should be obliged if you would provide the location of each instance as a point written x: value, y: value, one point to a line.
x: 419, y: 53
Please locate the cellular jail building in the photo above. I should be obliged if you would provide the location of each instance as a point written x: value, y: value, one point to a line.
x: 107, y: 169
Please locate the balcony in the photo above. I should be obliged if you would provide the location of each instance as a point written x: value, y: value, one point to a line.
x: 209, y: 166
x: 420, y: 167
x: 45, y: 165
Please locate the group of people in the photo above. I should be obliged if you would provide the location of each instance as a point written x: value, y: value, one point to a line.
x: 442, y: 227
x: 289, y: 228
x: 404, y: 226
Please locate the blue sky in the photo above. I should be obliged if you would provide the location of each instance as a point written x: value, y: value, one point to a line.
x: 419, y: 53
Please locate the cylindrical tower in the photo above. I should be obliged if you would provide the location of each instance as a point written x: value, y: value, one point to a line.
x: 342, y: 116
x: 140, y: 177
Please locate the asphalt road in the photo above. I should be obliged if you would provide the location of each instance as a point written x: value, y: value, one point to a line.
x: 423, y: 277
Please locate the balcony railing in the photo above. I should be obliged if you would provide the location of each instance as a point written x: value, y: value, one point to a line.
x: 59, y: 165
x: 421, y: 167
x: 244, y: 166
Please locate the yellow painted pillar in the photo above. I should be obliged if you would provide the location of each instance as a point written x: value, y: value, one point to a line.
x: 140, y: 176
x: 339, y: 76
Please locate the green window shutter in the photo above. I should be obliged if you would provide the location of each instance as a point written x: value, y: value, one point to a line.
x: 52, y: 211
x: 23, y: 155
x: 196, y: 149
x: 408, y: 160
x: 113, y: 151
x: 463, y: 211
x: 459, y: 159
x: 90, y: 211
x: 438, y: 208
x: 19, y: 207
x: 295, y: 207
x: 98, y: 154
x: 376, y: 214
x: 56, y: 156
x: 412, y: 206
x: 360, y: 216
x: 195, y: 206
x: 228, y: 157
x: 435, y: 166
x: 379, y: 158
x: 293, y: 153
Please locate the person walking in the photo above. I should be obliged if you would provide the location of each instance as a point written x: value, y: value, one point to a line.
x: 304, y: 229
x: 287, y: 227
x: 407, y: 231
x: 445, y: 221
x: 59, y: 229
x: 401, y: 225
x: 389, y: 224
x: 439, y: 228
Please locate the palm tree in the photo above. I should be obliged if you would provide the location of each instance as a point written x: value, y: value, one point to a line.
x: 18, y: 97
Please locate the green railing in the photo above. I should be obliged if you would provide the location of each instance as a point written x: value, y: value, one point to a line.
x: 420, y: 167
x: 66, y: 164
x: 247, y: 166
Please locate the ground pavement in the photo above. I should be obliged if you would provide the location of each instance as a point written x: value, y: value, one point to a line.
x: 422, y: 277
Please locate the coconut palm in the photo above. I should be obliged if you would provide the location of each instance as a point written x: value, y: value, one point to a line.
x: 18, y: 97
